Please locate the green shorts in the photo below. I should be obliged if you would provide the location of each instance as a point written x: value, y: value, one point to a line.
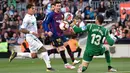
x: 88, y: 54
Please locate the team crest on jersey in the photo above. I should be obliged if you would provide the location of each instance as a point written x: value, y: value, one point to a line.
x: 83, y: 28
x: 56, y: 17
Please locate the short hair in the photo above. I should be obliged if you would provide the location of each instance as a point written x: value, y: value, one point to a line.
x: 74, y: 36
x: 53, y: 4
x: 57, y: 2
x: 126, y: 31
x: 29, y: 6
x: 100, y: 18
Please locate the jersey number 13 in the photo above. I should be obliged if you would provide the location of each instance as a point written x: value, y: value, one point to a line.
x: 95, y: 39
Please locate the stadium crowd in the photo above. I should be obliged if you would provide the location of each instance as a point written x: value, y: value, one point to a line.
x: 11, y: 15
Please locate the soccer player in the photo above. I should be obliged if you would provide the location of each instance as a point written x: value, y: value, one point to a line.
x: 51, y: 27
x: 29, y: 28
x: 94, y: 45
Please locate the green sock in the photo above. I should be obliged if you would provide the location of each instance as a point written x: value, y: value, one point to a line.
x: 108, y: 59
x: 84, y: 68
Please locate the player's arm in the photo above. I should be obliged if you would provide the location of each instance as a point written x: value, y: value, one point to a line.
x: 47, y: 21
x: 23, y: 30
x: 77, y: 29
x: 109, y: 38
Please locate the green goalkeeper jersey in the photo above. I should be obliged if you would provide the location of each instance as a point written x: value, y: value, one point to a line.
x: 96, y: 36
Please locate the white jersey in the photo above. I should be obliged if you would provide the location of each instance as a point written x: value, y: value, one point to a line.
x: 29, y: 23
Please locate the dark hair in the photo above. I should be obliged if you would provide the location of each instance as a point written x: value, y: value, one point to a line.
x: 57, y: 2
x: 74, y: 36
x: 53, y: 4
x: 100, y: 18
x: 126, y: 31
x: 29, y: 6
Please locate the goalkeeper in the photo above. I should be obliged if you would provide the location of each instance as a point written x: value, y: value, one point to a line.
x: 94, y: 46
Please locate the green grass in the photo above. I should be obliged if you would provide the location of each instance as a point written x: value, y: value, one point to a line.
x: 38, y: 66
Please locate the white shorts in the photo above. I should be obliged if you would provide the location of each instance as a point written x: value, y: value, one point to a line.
x: 34, y: 43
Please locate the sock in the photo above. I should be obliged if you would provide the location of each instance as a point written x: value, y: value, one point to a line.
x: 25, y: 54
x: 109, y: 67
x: 84, y: 68
x: 108, y: 59
x: 62, y: 54
x: 79, y: 52
x: 70, y: 53
x: 46, y: 58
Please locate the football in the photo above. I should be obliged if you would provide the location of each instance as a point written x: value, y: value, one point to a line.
x: 64, y: 25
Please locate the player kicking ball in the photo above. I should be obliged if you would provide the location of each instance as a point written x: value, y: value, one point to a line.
x: 94, y: 45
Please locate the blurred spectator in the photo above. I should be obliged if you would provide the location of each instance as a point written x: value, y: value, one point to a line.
x: 125, y: 39
x: 12, y: 9
x: 79, y: 14
x: 16, y: 15
x: 40, y: 15
x: 45, y: 2
x: 12, y: 3
x: 63, y: 9
x: 19, y: 24
x: 21, y: 38
x: 4, y: 26
x: 5, y: 37
x: 48, y: 9
x: 6, y: 18
x: 74, y: 8
x: 91, y: 14
x: 4, y: 7
x: 12, y: 25
x: 22, y: 13
x: 101, y: 8
x: 110, y: 11
x: 123, y: 17
x: 86, y: 11
x: 8, y: 11
x: 13, y: 40
x: 1, y: 15
x: 10, y: 32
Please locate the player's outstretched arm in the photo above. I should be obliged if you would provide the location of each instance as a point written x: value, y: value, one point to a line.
x: 77, y: 29
x: 109, y: 39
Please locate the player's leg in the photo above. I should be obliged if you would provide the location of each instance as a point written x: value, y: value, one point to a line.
x: 79, y: 52
x: 52, y: 51
x: 42, y: 54
x: 58, y: 42
x: 66, y: 64
x: 108, y: 60
x: 19, y: 54
x: 85, y: 63
x: 71, y: 54
x: 68, y: 48
x: 36, y: 46
x: 62, y: 54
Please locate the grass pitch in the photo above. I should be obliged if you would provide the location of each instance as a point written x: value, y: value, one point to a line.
x: 38, y: 66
